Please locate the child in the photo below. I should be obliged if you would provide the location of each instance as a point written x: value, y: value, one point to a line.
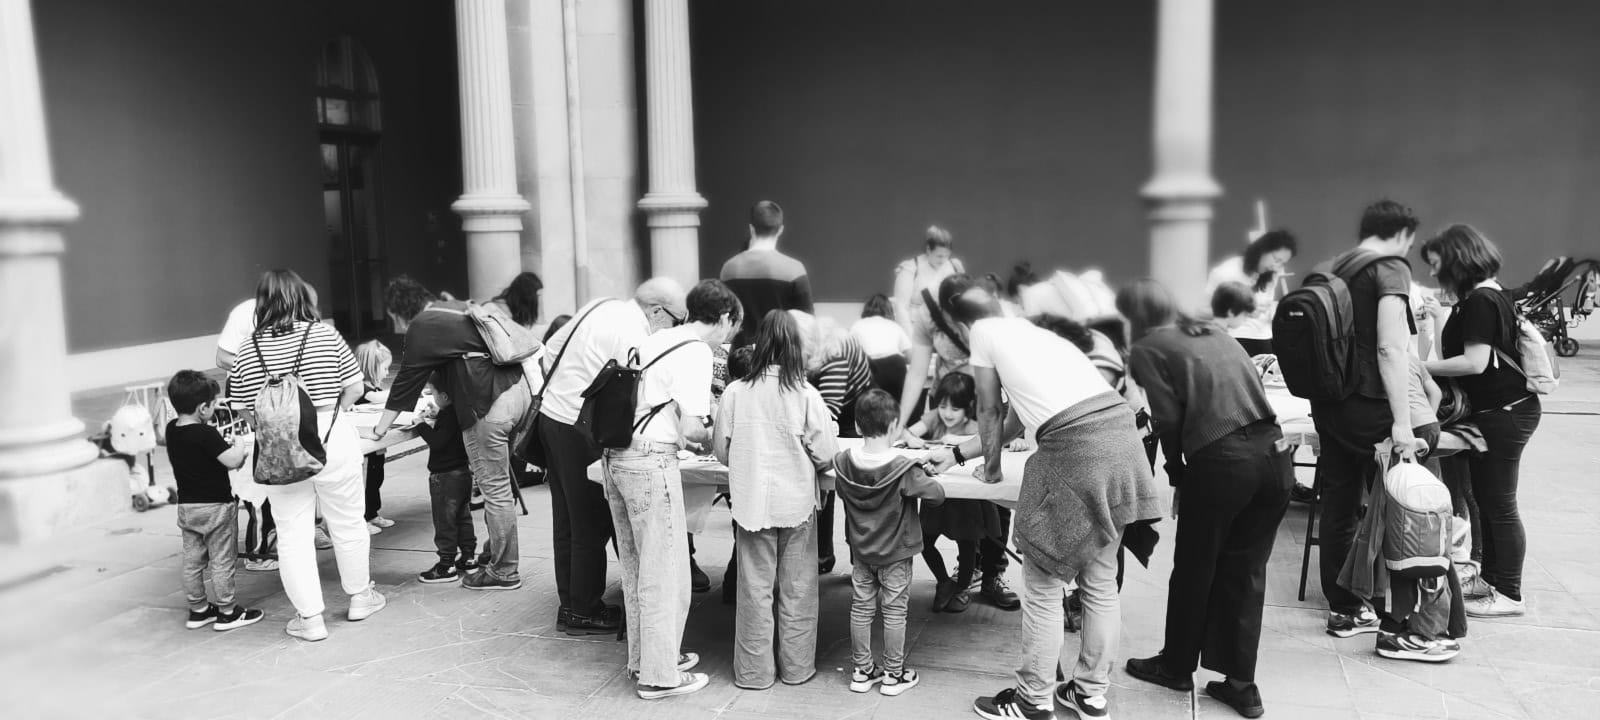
x: 1233, y: 304
x: 450, y: 492
x: 880, y: 490
x: 208, y: 514
x: 375, y: 360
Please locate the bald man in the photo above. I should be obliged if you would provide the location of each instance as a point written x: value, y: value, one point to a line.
x: 603, y: 330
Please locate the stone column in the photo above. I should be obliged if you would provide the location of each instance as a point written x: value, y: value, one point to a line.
x: 672, y: 203
x: 1181, y: 191
x: 491, y: 209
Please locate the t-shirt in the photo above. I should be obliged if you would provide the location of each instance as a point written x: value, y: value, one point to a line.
x: 1257, y: 325
x: 1042, y: 373
x: 1389, y: 276
x: 193, y: 451
x: 447, y: 449
x: 326, y: 367
x: 241, y: 322
x: 880, y: 337
x: 765, y: 280
x: 682, y: 377
x: 1422, y: 411
x: 607, y: 333
x: 1485, y: 317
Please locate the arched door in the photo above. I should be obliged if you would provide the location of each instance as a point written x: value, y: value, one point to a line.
x: 348, y: 115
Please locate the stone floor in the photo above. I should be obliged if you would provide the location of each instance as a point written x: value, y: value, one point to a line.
x: 93, y: 627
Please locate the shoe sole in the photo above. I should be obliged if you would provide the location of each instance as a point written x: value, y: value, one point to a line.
x: 1153, y: 680
x: 241, y: 622
x: 366, y: 613
x: 861, y: 687
x: 992, y: 716
x: 493, y: 587
x: 437, y: 581
x: 586, y: 632
x: 1069, y: 703
x: 1355, y: 632
x: 1490, y: 616
x: 197, y: 626
x: 897, y: 688
x: 1249, y: 712
x: 1416, y: 656
x: 299, y: 636
x: 699, y: 684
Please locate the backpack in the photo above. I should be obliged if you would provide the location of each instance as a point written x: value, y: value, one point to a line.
x: 529, y: 448
x: 287, y: 447
x: 1537, y: 366
x: 1314, y: 331
x: 1417, y: 537
x: 609, y: 402
x: 509, y: 343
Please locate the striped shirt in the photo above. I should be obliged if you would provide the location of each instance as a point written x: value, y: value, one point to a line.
x: 326, y: 368
x: 843, y: 379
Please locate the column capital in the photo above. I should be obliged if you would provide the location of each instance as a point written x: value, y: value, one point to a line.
x: 672, y: 209
x: 36, y: 209
x: 1180, y: 187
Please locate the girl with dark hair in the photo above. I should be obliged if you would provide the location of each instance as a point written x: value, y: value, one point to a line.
x: 1479, y: 345
x: 1261, y: 270
x: 1227, y: 463
x: 774, y: 433
x: 521, y: 297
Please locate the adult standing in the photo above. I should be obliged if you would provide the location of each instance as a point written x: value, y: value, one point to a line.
x: 291, y: 338
x: 922, y: 274
x: 885, y: 342
x: 604, y: 330
x: 261, y: 533
x: 1479, y: 345
x: 1087, y: 481
x: 646, y: 489
x: 1260, y: 269
x: 839, y: 369
x: 491, y: 403
x: 763, y: 278
x: 1230, y: 474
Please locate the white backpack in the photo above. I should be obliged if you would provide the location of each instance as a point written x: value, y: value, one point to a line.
x: 1537, y: 366
x: 1417, y: 538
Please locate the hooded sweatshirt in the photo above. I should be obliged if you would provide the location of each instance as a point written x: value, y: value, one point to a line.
x: 880, y: 506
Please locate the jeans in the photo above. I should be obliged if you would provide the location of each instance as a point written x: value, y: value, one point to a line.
x: 580, y: 517
x: 646, y: 495
x: 1495, y: 474
x: 450, y: 493
x: 374, y: 484
x: 1043, y: 604
x: 1230, y: 504
x: 777, y: 601
x: 488, y: 444
x: 1349, y: 430
x: 210, y: 542
x: 339, y: 491
x: 885, y: 588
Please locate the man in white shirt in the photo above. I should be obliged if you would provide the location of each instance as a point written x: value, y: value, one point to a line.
x: 241, y: 323
x: 603, y: 330
x: 646, y: 489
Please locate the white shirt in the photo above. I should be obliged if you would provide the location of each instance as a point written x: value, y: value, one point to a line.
x: 241, y: 322
x: 1041, y: 372
x: 1258, y: 325
x: 682, y: 378
x: 608, y: 333
x: 880, y: 337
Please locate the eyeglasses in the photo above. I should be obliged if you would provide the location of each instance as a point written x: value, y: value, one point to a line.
x: 676, y: 321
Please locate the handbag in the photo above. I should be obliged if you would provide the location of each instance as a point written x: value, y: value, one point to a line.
x: 530, y: 450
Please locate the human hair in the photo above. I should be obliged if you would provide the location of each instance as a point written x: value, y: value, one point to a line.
x: 959, y: 390
x: 406, y: 297
x: 283, y: 299
x: 951, y: 290
x: 878, y: 306
x: 1270, y: 242
x: 1232, y: 298
x: 189, y: 389
x: 766, y: 218
x: 1465, y: 258
x: 939, y: 237
x: 1386, y: 219
x: 739, y: 360
x: 1148, y: 305
x: 710, y: 300
x: 555, y: 327
x: 374, y: 359
x: 780, y: 345
x: 522, y: 298
x: 1022, y: 275
x: 876, y: 411
x: 1067, y: 329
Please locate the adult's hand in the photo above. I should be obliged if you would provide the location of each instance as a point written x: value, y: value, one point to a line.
x: 942, y: 459
x: 990, y: 472
x: 1405, y: 442
x: 368, y: 433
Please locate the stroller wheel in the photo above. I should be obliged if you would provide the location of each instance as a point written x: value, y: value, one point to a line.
x: 1566, y: 347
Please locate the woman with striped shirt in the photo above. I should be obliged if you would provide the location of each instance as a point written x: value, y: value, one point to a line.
x: 286, y: 322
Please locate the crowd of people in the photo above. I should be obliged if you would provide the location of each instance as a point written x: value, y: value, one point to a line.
x: 950, y: 370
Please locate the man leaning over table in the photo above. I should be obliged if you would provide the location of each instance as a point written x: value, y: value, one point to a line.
x: 1087, y: 481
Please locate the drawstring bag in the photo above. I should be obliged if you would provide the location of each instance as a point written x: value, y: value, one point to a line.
x: 287, y: 447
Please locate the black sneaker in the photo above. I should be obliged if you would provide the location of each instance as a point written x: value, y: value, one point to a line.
x: 995, y: 591
x: 440, y: 573
x: 481, y: 580
x: 1086, y: 706
x: 1246, y: 702
x: 608, y: 621
x: 467, y: 563
x: 203, y: 618
x: 699, y: 581
x: 942, y: 592
x: 239, y: 618
x: 1342, y: 625
x: 1007, y: 706
x: 1302, y: 493
x: 1154, y: 670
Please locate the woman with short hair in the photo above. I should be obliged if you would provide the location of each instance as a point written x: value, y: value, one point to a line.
x: 1260, y: 269
x: 924, y: 272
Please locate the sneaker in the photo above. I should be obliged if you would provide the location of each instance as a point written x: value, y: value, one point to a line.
x: 825, y: 565
x: 261, y: 565
x: 467, y: 563
x: 608, y: 621
x: 896, y: 683
x: 687, y: 661
x: 440, y: 573
x: 862, y: 679
x: 373, y: 529
x: 959, y: 602
x: 366, y: 603
x: 202, y: 618
x: 1246, y: 702
x: 691, y: 682
x: 1155, y: 670
x: 1302, y: 493
x: 942, y: 592
x: 995, y: 591
x: 310, y: 629
x: 381, y: 521
x: 239, y: 618
x: 481, y: 580
x: 1086, y: 706
x: 1409, y: 646
x: 1495, y: 605
x: 699, y: 581
x: 1342, y: 625
x: 320, y: 537
x: 1007, y: 706
x: 1472, y: 583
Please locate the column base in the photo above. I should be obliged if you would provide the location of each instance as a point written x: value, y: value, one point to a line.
x: 39, y: 507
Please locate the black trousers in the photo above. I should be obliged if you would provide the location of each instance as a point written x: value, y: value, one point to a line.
x: 1232, y: 499
x: 992, y: 559
x: 1495, y: 475
x: 1348, y: 430
x: 580, y: 517
x: 450, y: 493
x: 374, y: 484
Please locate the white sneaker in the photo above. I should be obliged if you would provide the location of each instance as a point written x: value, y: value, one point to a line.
x: 1495, y: 605
x: 374, y: 529
x: 691, y: 682
x: 381, y: 521
x: 309, y: 629
x: 366, y: 603
x: 320, y: 536
x: 262, y: 565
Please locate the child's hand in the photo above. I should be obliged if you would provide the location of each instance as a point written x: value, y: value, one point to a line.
x: 1020, y: 444
x: 914, y: 442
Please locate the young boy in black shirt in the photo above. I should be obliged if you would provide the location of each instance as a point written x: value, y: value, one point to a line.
x: 208, y: 514
x: 450, y: 489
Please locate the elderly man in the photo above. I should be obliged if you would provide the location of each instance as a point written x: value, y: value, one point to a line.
x: 603, y: 330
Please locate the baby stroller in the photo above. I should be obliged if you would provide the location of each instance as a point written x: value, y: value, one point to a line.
x: 1543, y: 300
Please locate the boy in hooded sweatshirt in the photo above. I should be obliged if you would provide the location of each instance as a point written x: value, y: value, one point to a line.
x: 880, y: 489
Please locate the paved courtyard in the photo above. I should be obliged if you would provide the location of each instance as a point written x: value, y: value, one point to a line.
x: 93, y: 627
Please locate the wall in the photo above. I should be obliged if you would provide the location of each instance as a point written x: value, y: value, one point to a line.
x: 185, y: 130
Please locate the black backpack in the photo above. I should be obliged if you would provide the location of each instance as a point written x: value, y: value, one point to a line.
x: 608, y: 403
x: 1314, y: 331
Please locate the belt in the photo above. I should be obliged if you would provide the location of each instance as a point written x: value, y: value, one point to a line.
x: 649, y: 446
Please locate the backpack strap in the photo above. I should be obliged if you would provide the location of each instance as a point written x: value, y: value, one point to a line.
x: 1348, y: 267
x: 297, y: 355
x: 557, y: 362
x: 940, y: 321
x: 656, y: 410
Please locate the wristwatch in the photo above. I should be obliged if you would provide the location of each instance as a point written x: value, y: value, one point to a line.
x: 955, y: 450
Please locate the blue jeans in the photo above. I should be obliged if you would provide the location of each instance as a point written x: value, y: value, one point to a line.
x: 453, y: 535
x: 885, y: 588
x: 488, y: 444
x: 646, y: 496
x: 777, y: 572
x: 210, y: 542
